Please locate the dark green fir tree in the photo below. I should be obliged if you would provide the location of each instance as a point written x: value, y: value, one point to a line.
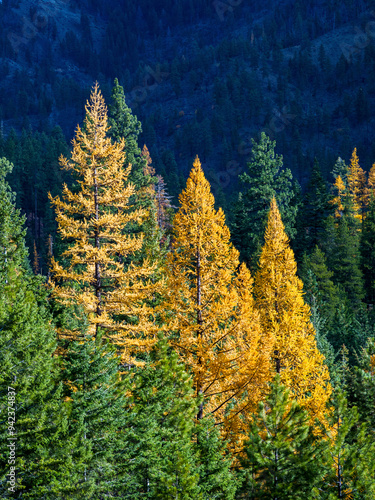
x: 283, y: 460
x: 367, y: 248
x: 265, y: 178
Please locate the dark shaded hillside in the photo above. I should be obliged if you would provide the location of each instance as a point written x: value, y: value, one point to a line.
x: 203, y: 77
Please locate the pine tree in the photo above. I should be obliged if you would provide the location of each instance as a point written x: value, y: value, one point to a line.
x: 211, y: 316
x: 285, y: 320
x: 283, y: 457
x: 327, y: 295
x: 126, y: 126
x: 96, y: 267
x: 12, y: 234
x: 343, y: 256
x: 265, y: 179
x: 362, y: 386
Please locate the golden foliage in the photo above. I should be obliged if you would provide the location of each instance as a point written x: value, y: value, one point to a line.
x: 285, y: 320
x: 356, y: 185
x: 93, y: 220
x: 212, y: 319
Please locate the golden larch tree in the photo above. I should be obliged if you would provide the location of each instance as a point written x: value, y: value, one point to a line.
x: 356, y: 180
x: 212, y: 321
x: 339, y: 193
x: 94, y: 271
x: 285, y: 320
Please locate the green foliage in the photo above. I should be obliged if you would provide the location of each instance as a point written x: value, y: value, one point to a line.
x: 283, y: 457
x: 264, y: 179
x: 367, y: 249
x: 351, y: 468
x: 96, y: 400
x: 162, y: 462
x: 362, y: 384
x: 216, y: 480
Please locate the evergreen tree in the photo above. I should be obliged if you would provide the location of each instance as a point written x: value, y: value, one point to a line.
x: 124, y: 126
x: 362, y: 384
x: 314, y: 211
x: 283, y: 458
x: 327, y: 295
x: 352, y: 454
x: 343, y: 255
x: 216, y: 479
x: 367, y: 250
x: 285, y: 320
x: 29, y: 389
x: 266, y: 178
x: 96, y: 401
x: 160, y: 455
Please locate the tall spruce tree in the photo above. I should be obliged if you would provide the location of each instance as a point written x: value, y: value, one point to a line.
x: 265, y: 178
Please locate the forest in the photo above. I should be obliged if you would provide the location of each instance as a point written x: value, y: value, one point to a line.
x: 187, y: 250
x: 154, y: 352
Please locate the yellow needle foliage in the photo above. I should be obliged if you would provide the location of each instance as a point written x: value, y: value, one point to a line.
x: 356, y: 183
x: 212, y: 319
x: 93, y: 221
x: 285, y: 320
x: 339, y: 190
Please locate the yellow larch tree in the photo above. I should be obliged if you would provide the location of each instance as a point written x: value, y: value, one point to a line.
x: 339, y: 193
x: 212, y: 321
x: 94, y: 271
x: 356, y: 180
x: 285, y: 320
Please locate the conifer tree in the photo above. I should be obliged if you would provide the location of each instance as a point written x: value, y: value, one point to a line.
x: 30, y: 393
x: 356, y: 182
x: 265, y: 179
x: 327, y: 293
x: 367, y: 251
x: 362, y: 386
x: 96, y: 401
x: 283, y: 458
x: 314, y: 211
x: 285, y: 320
x: 160, y: 456
x: 211, y: 315
x: 95, y: 267
x: 352, y: 454
x: 126, y: 126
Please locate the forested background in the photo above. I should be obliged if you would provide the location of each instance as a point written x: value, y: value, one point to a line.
x: 125, y: 387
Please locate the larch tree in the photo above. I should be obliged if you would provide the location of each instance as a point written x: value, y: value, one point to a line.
x: 95, y: 271
x: 285, y: 320
x: 212, y: 320
x: 356, y: 181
